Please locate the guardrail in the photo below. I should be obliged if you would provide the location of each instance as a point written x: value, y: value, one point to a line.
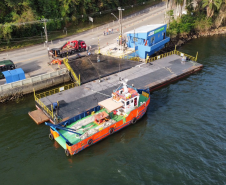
x: 77, y: 80
x: 48, y: 93
x: 171, y: 53
x: 32, y: 80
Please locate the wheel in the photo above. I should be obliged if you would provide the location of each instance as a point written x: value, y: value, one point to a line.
x: 67, y: 153
x: 61, y: 56
x: 90, y: 142
x: 134, y: 120
x: 72, y: 52
x: 111, y: 130
x: 51, y: 136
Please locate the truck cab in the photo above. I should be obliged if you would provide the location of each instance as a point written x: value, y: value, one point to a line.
x: 6, y: 65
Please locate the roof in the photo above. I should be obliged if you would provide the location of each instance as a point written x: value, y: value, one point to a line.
x: 110, y: 104
x: 145, y: 29
x: 6, y: 62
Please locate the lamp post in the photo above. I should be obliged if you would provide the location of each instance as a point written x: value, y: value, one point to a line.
x: 45, y: 29
x: 120, y: 24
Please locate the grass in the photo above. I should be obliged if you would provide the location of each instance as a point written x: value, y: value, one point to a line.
x: 74, y: 29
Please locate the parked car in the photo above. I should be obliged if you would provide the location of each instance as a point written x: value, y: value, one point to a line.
x: 6, y: 65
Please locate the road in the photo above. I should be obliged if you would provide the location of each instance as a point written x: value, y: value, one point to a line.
x: 34, y: 60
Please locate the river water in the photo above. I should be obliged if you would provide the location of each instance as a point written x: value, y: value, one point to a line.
x: 181, y: 139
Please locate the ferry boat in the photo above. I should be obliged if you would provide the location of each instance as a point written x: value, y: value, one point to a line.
x: 125, y: 106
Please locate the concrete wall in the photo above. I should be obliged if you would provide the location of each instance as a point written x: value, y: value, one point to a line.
x: 39, y: 82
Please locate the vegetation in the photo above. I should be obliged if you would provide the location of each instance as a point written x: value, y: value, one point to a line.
x: 70, y: 15
x: 202, y: 15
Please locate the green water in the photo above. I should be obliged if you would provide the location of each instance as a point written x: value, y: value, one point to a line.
x: 181, y: 139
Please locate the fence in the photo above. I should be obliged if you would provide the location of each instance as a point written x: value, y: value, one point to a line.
x: 48, y: 93
x: 77, y: 80
x: 171, y: 53
x: 32, y: 80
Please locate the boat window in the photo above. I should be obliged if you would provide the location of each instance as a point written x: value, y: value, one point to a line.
x: 121, y: 91
x: 135, y: 101
x: 132, y: 101
x: 127, y: 103
x: 123, y: 102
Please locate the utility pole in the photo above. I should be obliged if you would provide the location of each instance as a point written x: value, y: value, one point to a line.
x: 120, y: 22
x: 45, y: 29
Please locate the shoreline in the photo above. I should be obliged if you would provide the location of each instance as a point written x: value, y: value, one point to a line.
x: 180, y: 40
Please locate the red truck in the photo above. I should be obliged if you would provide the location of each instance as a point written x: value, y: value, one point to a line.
x: 69, y: 48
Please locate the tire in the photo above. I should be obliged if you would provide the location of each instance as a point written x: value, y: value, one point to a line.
x: 51, y: 136
x: 61, y: 56
x: 134, y: 120
x: 90, y: 142
x: 67, y: 153
x: 83, y: 49
x: 111, y: 130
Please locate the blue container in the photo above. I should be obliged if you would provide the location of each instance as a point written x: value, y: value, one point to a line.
x: 21, y: 74
x: 8, y: 76
x: 15, y: 75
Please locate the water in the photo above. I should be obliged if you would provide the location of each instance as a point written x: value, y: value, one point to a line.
x: 181, y: 139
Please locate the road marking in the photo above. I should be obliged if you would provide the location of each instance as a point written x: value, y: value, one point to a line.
x: 30, y: 59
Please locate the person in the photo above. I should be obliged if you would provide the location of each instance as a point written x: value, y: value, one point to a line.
x: 109, y: 31
x: 117, y: 40
x: 104, y: 33
x: 112, y: 30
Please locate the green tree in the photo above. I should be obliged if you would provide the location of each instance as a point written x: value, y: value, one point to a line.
x: 211, y: 6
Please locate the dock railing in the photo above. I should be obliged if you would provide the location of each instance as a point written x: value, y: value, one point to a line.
x: 77, y: 80
x: 48, y: 93
x: 151, y: 59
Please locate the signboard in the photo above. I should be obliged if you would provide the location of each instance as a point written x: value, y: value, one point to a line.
x: 61, y: 89
x: 156, y: 31
x: 91, y: 19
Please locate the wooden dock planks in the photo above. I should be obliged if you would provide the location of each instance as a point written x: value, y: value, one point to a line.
x: 38, y: 116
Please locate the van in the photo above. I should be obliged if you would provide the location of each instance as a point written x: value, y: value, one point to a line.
x: 6, y: 65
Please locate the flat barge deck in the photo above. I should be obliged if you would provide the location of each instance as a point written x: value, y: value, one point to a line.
x: 152, y: 75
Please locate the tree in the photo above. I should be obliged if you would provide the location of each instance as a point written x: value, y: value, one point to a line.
x: 211, y: 6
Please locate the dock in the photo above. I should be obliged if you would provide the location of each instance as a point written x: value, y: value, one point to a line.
x: 152, y: 75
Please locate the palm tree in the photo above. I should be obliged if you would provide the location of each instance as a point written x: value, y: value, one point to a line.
x: 211, y: 6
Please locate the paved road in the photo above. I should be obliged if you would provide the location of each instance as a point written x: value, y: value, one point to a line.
x: 34, y: 60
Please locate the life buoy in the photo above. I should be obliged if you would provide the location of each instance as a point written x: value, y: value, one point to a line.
x: 67, y: 152
x: 90, y: 142
x: 111, y: 130
x: 134, y: 120
x: 51, y: 136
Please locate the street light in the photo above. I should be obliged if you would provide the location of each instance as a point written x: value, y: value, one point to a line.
x: 120, y: 23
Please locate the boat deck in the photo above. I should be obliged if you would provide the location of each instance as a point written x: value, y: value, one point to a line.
x: 86, y: 124
x: 152, y: 75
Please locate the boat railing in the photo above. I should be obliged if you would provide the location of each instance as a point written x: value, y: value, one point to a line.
x: 80, y: 116
x: 122, y: 88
